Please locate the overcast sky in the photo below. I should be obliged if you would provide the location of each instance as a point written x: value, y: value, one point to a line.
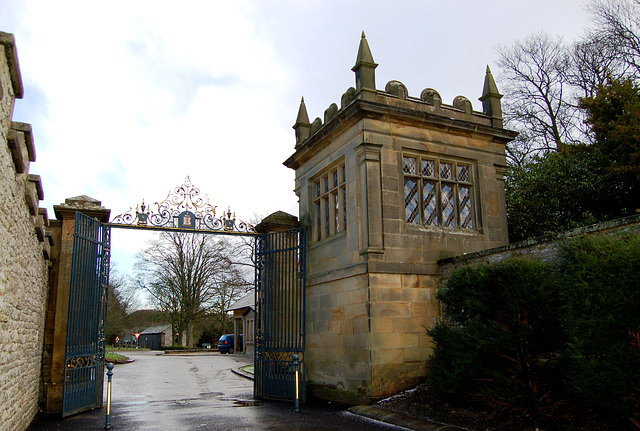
x: 127, y: 98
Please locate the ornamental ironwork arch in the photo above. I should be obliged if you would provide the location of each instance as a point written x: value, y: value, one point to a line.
x: 184, y: 209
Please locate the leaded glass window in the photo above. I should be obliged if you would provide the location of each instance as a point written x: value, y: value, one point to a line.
x: 430, y: 203
x: 318, y: 220
x: 463, y: 174
x: 330, y: 203
x: 429, y: 168
x: 336, y: 210
x: 412, y: 214
x: 327, y: 216
x: 438, y: 192
x: 464, y: 199
x: 448, y: 206
x: 410, y: 165
x: 446, y: 171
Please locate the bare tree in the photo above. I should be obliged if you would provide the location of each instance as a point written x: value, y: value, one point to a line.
x: 592, y: 64
x: 616, y: 25
x: 189, y: 275
x: 543, y: 79
x: 121, y: 302
x: 538, y: 101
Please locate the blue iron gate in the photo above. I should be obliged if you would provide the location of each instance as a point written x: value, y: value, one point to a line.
x: 280, y: 303
x: 84, y: 356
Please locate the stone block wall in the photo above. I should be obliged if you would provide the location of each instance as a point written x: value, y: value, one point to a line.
x: 24, y: 252
x: 338, y: 341
x: 545, y: 248
x: 403, y: 307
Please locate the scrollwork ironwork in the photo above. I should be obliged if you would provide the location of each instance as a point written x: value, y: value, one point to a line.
x: 281, y: 356
x: 82, y: 361
x: 184, y: 208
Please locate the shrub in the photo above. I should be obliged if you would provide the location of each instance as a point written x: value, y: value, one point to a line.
x: 501, y: 339
x: 601, y: 286
x: 177, y: 347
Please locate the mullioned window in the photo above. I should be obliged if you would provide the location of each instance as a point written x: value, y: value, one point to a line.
x: 330, y: 203
x: 438, y: 192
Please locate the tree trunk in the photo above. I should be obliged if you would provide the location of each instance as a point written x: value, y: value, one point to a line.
x: 189, y: 329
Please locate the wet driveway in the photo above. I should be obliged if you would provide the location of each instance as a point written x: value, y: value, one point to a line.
x: 199, y: 392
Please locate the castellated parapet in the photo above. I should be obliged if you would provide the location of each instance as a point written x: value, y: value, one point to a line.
x: 388, y: 185
x: 25, y: 246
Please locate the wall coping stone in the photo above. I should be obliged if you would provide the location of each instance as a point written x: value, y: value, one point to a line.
x: 11, y: 53
x: 35, y: 179
x: 26, y: 129
x: 19, y: 152
x: 606, y: 225
x: 42, y: 212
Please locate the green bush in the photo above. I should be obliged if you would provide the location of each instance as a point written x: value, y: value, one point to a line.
x: 601, y: 286
x: 177, y: 347
x: 502, y: 336
x: 533, y: 338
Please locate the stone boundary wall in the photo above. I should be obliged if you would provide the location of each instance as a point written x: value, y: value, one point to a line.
x: 545, y: 248
x: 25, y: 245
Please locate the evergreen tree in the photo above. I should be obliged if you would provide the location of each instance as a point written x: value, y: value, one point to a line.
x: 614, y: 116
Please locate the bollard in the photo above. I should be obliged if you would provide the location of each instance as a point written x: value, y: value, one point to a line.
x: 296, y: 364
x: 107, y: 421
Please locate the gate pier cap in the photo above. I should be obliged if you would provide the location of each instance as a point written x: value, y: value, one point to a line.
x: 86, y: 205
x: 277, y: 222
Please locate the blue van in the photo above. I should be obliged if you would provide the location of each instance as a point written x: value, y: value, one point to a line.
x: 225, y: 343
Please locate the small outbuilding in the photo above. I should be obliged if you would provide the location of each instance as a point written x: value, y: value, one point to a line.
x: 244, y: 319
x: 156, y: 337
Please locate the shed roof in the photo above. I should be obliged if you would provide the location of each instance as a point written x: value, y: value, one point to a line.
x: 247, y: 301
x: 156, y: 329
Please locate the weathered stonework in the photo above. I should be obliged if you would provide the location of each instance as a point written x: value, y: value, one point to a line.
x: 372, y: 277
x: 55, y: 335
x: 545, y: 248
x: 24, y: 249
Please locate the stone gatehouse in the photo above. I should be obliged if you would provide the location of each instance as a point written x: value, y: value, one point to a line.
x: 389, y: 184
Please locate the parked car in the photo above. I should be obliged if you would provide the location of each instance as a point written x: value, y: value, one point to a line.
x: 225, y: 343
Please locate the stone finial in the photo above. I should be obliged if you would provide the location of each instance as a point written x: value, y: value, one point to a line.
x: 365, y: 67
x: 302, y: 126
x: 491, y: 100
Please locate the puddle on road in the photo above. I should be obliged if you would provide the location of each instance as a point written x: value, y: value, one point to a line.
x: 242, y: 403
x: 209, y: 395
x: 247, y: 403
x: 193, y: 402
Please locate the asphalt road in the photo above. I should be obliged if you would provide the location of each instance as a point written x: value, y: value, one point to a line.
x: 199, y: 392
